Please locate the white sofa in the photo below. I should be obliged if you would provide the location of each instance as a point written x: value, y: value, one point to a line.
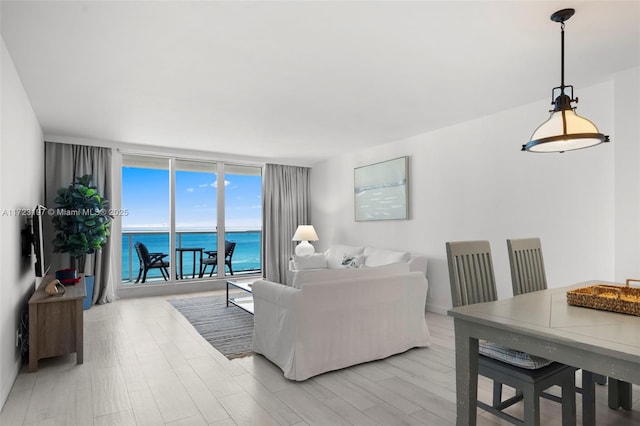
x: 326, y: 325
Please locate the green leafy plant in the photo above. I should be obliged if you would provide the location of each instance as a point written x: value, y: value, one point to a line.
x: 82, y: 222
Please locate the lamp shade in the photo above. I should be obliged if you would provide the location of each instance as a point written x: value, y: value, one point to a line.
x: 305, y: 233
x: 564, y: 131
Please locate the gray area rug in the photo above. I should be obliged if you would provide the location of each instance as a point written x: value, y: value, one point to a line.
x: 229, y: 330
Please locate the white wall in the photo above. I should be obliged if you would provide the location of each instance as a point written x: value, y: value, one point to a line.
x: 21, y: 187
x: 471, y: 181
x: 627, y: 174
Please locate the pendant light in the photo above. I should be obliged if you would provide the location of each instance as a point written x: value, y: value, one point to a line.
x: 564, y: 130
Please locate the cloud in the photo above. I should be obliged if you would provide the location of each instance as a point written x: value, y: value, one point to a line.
x: 190, y: 189
x: 204, y: 185
x: 215, y: 184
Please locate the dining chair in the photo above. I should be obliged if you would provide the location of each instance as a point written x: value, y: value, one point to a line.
x: 527, y: 265
x: 472, y: 280
x: 528, y: 274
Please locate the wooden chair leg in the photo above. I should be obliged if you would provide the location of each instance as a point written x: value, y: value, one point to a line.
x: 588, y: 398
x: 531, y: 408
x: 619, y: 394
x: 497, y: 393
x: 569, y: 401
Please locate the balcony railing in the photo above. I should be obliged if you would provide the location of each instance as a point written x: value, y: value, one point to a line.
x: 247, y: 256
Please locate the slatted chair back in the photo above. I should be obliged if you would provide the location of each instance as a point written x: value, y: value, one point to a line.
x: 229, y: 247
x: 527, y: 265
x: 143, y: 253
x: 471, y: 272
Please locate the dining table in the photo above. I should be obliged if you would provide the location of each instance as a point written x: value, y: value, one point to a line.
x: 542, y: 323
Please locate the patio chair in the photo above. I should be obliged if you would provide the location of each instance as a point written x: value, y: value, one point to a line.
x: 212, y: 260
x: 150, y: 261
x: 472, y: 281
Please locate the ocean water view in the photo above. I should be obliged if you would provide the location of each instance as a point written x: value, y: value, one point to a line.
x: 246, y: 256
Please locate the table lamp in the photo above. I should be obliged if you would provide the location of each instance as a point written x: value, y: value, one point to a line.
x: 304, y: 234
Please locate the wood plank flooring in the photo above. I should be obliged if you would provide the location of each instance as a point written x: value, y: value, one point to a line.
x: 145, y: 365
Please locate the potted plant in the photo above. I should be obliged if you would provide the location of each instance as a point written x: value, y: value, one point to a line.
x: 82, y: 223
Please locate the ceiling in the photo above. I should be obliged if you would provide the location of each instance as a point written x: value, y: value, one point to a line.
x: 300, y: 81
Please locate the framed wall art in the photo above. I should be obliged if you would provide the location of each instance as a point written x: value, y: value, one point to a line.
x: 381, y: 190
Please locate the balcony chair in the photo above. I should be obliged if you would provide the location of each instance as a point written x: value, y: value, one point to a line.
x: 212, y: 260
x: 472, y: 281
x: 150, y: 261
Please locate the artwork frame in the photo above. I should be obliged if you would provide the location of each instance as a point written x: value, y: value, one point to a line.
x: 381, y: 190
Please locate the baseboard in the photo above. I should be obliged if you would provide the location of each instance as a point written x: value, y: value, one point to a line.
x: 437, y: 309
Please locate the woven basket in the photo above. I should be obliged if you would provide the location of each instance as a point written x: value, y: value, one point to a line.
x: 607, y: 297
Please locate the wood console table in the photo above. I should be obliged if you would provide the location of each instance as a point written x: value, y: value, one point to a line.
x: 56, y: 323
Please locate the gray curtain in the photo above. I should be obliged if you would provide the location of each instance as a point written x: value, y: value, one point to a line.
x: 63, y: 163
x: 286, y: 205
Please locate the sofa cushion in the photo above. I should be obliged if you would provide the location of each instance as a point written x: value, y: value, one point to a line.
x: 310, y: 261
x: 336, y: 253
x: 418, y: 263
x: 318, y: 275
x: 378, y: 257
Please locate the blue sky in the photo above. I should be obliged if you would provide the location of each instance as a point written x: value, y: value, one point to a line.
x: 145, y: 194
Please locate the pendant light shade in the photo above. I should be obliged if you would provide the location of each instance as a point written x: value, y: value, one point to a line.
x: 564, y: 130
x: 551, y: 135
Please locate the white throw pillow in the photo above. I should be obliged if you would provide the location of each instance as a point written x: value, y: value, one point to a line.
x: 379, y: 257
x: 335, y: 254
x: 310, y: 261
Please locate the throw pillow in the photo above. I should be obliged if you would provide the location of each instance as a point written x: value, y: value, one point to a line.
x: 379, y: 257
x: 352, y: 261
x: 335, y: 254
x: 310, y: 261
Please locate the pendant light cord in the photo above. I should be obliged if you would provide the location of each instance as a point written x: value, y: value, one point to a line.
x: 562, y: 58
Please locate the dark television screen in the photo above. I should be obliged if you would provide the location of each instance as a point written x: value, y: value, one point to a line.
x: 42, y: 260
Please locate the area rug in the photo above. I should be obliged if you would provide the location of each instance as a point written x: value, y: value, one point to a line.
x: 228, y: 329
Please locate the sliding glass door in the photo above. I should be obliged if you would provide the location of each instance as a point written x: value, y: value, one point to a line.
x: 183, y: 211
x: 196, y: 196
x: 243, y: 218
x: 145, y: 227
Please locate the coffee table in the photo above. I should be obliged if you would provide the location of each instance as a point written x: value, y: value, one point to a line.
x: 245, y: 303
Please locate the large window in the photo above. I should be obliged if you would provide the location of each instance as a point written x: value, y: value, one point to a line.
x: 173, y: 207
x: 243, y: 216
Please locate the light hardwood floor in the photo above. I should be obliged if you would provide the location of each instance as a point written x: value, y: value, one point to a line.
x: 145, y: 365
